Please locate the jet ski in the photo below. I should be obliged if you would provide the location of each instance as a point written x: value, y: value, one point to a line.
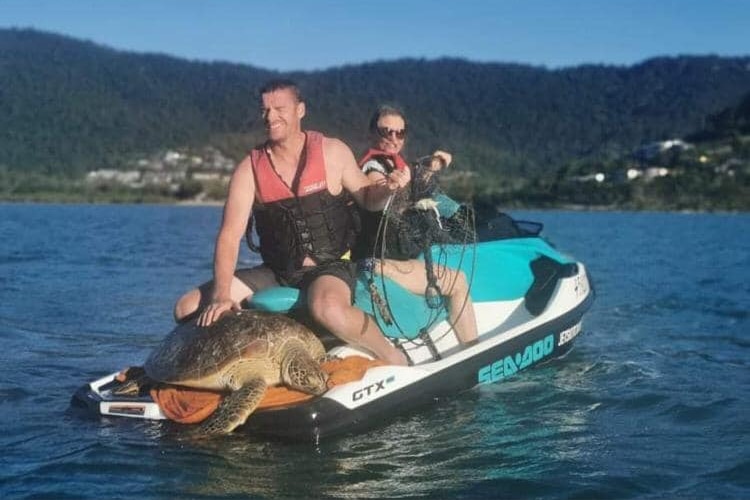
x: 529, y: 301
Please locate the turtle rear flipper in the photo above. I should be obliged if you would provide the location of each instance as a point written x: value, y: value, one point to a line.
x: 235, y: 408
x: 133, y: 382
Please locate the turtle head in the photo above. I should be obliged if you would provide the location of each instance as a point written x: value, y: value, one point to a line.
x: 315, y: 382
x: 304, y: 374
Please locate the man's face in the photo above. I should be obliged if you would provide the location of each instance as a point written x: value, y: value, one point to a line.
x: 282, y: 114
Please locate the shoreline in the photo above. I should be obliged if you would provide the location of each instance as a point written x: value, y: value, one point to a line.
x: 508, y: 209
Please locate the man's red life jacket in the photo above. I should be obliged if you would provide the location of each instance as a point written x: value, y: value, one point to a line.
x: 303, y: 219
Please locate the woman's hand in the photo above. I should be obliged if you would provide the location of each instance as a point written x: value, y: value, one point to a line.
x: 440, y: 159
x: 398, y: 179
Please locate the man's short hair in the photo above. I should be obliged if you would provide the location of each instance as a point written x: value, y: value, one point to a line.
x: 281, y: 84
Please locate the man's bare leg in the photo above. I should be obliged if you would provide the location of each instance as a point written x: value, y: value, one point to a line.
x: 329, y: 301
x: 195, y: 300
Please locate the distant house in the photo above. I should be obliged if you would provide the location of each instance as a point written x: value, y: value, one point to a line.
x: 209, y: 176
x: 169, y: 168
x: 647, y: 174
x: 162, y: 178
x: 172, y: 157
x: 654, y: 172
x: 110, y: 175
x: 595, y: 177
x: 729, y: 167
x: 648, y: 152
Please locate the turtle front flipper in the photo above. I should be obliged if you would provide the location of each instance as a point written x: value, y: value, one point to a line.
x: 235, y: 408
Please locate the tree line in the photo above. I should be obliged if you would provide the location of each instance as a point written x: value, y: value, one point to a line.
x: 69, y: 106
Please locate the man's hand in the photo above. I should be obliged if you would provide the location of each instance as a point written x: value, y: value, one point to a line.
x: 215, y: 309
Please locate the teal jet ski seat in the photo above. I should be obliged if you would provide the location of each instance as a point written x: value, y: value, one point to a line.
x: 499, y: 270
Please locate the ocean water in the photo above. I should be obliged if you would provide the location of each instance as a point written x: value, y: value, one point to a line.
x: 653, y: 401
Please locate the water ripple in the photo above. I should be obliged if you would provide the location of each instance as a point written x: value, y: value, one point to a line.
x: 651, y: 402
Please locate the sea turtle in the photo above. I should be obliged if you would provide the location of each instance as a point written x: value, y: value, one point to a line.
x: 244, y: 352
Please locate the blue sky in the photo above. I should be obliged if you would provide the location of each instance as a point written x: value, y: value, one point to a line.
x: 308, y: 35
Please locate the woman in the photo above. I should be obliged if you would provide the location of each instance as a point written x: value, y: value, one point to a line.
x: 386, y: 250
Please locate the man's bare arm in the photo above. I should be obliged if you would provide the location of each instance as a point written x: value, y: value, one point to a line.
x: 369, y: 194
x: 237, y: 210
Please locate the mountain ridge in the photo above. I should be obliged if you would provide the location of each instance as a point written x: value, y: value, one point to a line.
x: 68, y: 106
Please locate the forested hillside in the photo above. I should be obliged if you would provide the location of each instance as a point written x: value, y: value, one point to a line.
x: 68, y: 106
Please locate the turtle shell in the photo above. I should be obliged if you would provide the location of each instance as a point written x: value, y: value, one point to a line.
x: 194, y: 356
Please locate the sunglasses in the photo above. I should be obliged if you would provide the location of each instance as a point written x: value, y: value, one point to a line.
x: 386, y: 132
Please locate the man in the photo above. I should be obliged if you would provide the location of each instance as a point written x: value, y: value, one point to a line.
x: 294, y: 186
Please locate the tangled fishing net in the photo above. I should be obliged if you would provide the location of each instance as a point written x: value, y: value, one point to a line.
x: 421, y: 222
